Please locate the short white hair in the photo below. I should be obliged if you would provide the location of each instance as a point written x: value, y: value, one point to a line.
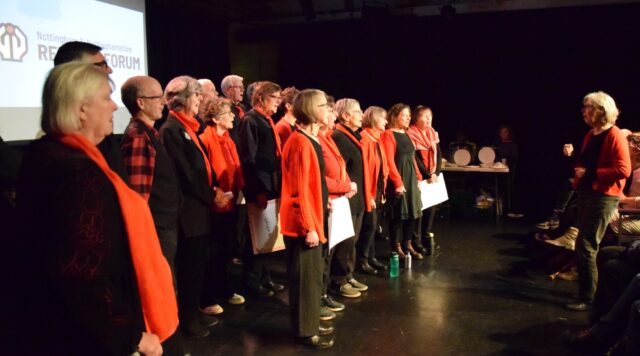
x: 228, y: 81
x: 605, y: 103
x: 179, y: 90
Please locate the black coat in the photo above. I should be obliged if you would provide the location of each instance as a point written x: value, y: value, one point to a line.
x: 191, y: 170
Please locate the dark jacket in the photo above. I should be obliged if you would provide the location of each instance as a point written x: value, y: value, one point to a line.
x: 192, y: 178
x: 257, y: 151
x: 352, y: 155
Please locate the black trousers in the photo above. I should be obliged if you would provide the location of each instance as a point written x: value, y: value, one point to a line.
x: 241, y: 230
x: 424, y: 224
x: 344, y: 259
x: 305, y: 266
x: 365, y: 246
x: 216, y: 285
x: 169, y: 246
x: 191, y: 259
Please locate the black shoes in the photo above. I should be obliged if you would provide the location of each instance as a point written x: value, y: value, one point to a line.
x: 366, y: 268
x: 207, y: 320
x: 373, y: 262
x: 196, y: 329
x: 417, y: 245
x: 331, y: 304
x: 316, y: 341
x: 260, y: 291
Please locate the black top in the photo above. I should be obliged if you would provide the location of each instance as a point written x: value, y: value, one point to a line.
x: 323, y: 181
x: 110, y: 149
x: 380, y: 186
x: 165, y: 199
x: 233, y: 131
x: 191, y: 170
x: 422, y: 167
x: 257, y: 152
x: 409, y: 204
x: 79, y: 282
x: 353, y: 159
x: 589, y: 160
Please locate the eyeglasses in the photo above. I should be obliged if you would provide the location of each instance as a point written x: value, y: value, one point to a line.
x: 102, y: 64
x: 151, y: 97
x: 276, y: 97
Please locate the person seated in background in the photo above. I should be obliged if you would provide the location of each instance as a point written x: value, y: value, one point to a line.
x: 461, y: 141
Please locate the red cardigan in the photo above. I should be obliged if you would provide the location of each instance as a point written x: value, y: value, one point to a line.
x: 223, y: 156
x: 335, y: 170
x: 284, y: 130
x: 370, y: 141
x: 301, y: 210
x: 614, y: 163
x: 389, y: 143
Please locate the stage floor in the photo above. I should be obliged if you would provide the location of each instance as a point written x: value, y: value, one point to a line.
x: 483, y: 294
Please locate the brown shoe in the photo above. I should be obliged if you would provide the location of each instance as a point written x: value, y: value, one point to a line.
x: 415, y: 254
x: 397, y: 248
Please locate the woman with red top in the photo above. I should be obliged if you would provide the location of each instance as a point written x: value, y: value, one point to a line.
x: 429, y: 161
x: 373, y: 125
x: 403, y: 195
x: 287, y: 123
x: 221, y: 150
x: 303, y: 217
x: 338, y: 184
x: 600, y: 174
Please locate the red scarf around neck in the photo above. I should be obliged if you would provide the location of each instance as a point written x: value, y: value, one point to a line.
x: 191, y: 125
x: 153, y: 275
x: 426, y: 140
x: 276, y: 137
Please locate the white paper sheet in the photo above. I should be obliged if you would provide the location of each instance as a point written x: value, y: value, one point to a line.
x: 434, y: 193
x: 340, y: 224
x: 265, y: 228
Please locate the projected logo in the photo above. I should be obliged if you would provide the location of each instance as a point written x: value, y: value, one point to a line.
x: 13, y: 43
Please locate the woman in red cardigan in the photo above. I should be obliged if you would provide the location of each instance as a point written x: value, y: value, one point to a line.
x: 303, y: 215
x: 403, y: 195
x: 373, y: 125
x: 218, y: 117
x: 338, y: 184
x: 600, y: 174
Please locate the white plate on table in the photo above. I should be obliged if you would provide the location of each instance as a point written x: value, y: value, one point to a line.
x: 462, y: 157
x: 487, y: 155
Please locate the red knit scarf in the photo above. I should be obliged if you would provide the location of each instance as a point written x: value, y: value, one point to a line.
x: 153, y: 275
x: 191, y: 125
x: 426, y: 140
x: 276, y: 137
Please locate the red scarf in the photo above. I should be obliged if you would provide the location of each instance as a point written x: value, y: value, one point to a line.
x: 276, y: 137
x: 329, y: 143
x: 210, y: 140
x: 153, y: 275
x: 426, y: 140
x: 375, y: 136
x: 240, y: 111
x: 191, y: 125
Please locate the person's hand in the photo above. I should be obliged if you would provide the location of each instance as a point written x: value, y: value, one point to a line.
x: 149, y: 345
x: 373, y: 203
x: 432, y: 179
x: 312, y: 239
x: 580, y: 171
x: 400, y: 190
x: 221, y: 199
x: 567, y: 149
x: 261, y: 200
x: 329, y: 205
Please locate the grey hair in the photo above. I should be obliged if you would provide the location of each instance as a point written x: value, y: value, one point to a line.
x: 344, y: 106
x: 179, y: 90
x: 228, y: 81
x: 605, y: 103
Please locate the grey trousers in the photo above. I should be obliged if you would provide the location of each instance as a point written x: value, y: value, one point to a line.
x: 594, y: 213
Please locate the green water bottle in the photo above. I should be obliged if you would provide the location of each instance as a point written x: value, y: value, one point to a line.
x: 395, y: 265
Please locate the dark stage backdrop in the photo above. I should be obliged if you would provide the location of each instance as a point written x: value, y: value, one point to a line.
x: 529, y: 69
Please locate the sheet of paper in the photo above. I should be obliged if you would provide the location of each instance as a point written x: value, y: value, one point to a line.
x: 340, y: 224
x: 434, y: 193
x: 265, y: 228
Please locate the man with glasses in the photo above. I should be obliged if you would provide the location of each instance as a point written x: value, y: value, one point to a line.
x: 90, y: 53
x: 233, y: 89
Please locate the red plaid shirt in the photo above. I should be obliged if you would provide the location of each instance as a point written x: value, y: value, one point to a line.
x: 139, y: 157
